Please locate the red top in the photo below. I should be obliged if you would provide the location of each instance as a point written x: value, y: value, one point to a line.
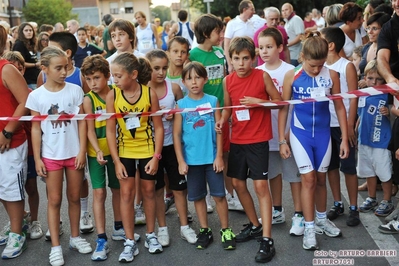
x: 309, y: 24
x: 259, y: 127
x: 8, y: 106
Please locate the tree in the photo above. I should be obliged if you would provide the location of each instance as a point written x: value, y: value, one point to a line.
x: 48, y: 11
x: 162, y: 12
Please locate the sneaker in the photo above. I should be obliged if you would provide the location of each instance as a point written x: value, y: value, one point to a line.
x: 86, y: 223
x: 189, y: 235
x: 353, y: 218
x: 169, y: 201
x: 151, y: 242
x: 298, y: 225
x: 15, y: 245
x: 266, y: 251
x: 4, y: 234
x: 233, y: 203
x: 26, y: 226
x: 35, y: 229
x: 209, y: 208
x: 249, y: 233
x: 163, y: 237
x: 101, y: 251
x: 139, y: 216
x: 204, y: 238
x: 327, y: 227
x: 119, y: 234
x: 80, y: 245
x: 393, y: 216
x: 390, y: 228
x: 56, y: 258
x: 309, y: 239
x: 335, y: 211
x: 48, y: 236
x: 368, y: 205
x: 278, y: 216
x: 130, y: 250
x: 384, y: 209
x: 228, y: 239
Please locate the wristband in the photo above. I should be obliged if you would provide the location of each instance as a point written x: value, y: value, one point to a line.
x: 282, y: 142
x: 158, y: 156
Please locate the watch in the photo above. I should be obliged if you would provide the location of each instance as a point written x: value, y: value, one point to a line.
x: 8, y: 135
x: 158, y: 156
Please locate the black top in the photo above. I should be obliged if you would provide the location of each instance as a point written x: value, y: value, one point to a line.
x: 388, y: 39
x: 30, y: 57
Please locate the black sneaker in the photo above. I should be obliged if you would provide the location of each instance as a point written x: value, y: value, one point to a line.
x: 228, y: 239
x: 335, y: 211
x: 353, y: 218
x: 248, y: 233
x: 204, y: 238
x: 266, y: 250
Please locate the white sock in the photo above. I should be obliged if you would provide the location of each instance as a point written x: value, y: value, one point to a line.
x: 321, y: 215
x: 161, y: 229
x: 83, y: 205
x: 183, y: 227
x: 56, y: 248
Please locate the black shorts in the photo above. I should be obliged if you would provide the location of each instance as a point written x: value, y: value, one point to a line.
x: 249, y: 160
x: 346, y: 166
x: 171, y: 166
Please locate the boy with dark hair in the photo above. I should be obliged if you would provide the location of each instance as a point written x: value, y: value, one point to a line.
x: 85, y: 49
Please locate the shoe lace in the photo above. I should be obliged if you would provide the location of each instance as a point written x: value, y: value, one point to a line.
x: 264, y: 246
x: 152, y: 240
x: 228, y: 235
x: 100, y: 244
x: 246, y: 227
x: 128, y: 248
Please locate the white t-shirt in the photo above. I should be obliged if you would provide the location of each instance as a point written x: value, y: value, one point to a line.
x: 257, y: 22
x: 277, y: 76
x: 238, y: 28
x: 320, y: 22
x: 60, y: 139
x: 350, y: 45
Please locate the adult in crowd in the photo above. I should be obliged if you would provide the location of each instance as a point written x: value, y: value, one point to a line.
x: 157, y: 22
x: 295, y: 29
x: 73, y: 26
x: 58, y: 27
x: 42, y: 42
x: 324, y: 13
x: 183, y: 27
x: 146, y: 33
x: 164, y: 35
x: 369, y: 10
x: 309, y: 23
x: 47, y: 28
x: 257, y: 20
x: 106, y: 37
x: 320, y: 22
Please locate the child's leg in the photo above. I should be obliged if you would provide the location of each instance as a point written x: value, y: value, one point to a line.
x: 54, y: 184
x: 99, y: 196
x: 139, y: 196
x: 127, y: 193
x: 15, y: 211
x: 200, y: 209
x: 74, y: 180
x: 276, y: 189
x: 181, y: 205
x: 160, y: 207
x: 218, y: 192
x: 296, y: 195
x: 246, y: 200
x: 387, y: 189
x: 147, y: 188
x: 265, y: 205
x: 308, y: 195
x: 33, y: 197
x: 116, y: 200
x: 321, y: 192
x: 351, y: 185
x: 372, y: 186
x: 335, y: 184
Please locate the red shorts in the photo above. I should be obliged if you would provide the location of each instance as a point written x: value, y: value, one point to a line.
x: 55, y: 165
x: 226, y: 136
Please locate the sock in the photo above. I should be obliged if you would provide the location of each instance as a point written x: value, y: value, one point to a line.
x: 104, y: 236
x: 309, y: 224
x: 83, y: 205
x: 353, y: 207
x: 163, y: 228
x: 118, y: 225
x: 298, y: 213
x: 321, y: 215
x: 73, y: 238
x: 55, y: 248
x: 169, y: 195
x: 278, y: 208
x: 183, y: 227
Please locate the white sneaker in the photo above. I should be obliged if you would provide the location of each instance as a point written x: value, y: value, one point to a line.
x: 278, y: 216
x: 35, y: 229
x: 151, y: 242
x: 393, y: 216
x: 309, y: 239
x: 47, y: 237
x: 139, y: 215
x: 118, y: 234
x: 189, y: 235
x: 209, y: 208
x: 80, y: 245
x: 4, y: 234
x: 56, y: 258
x: 298, y: 225
x: 102, y: 249
x: 129, y: 251
x: 16, y: 244
x: 163, y: 237
x: 327, y: 227
x: 233, y: 203
x: 86, y: 223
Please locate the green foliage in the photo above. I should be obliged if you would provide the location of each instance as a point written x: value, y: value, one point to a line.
x: 162, y: 12
x: 48, y: 11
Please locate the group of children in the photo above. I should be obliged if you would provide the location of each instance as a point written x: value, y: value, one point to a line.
x: 134, y: 151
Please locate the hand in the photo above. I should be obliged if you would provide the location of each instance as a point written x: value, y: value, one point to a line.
x: 362, y: 84
x: 344, y: 150
x: 4, y: 143
x: 219, y: 125
x: 183, y: 168
x: 80, y: 161
x: 41, y: 169
x: 120, y: 170
x: 100, y: 158
x: 218, y: 165
x: 397, y: 154
x: 384, y: 111
x: 151, y: 167
x: 285, y: 151
x: 249, y: 100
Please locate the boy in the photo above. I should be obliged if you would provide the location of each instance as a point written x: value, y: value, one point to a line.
x: 85, y: 49
x: 208, y: 29
x: 348, y: 81
x: 249, y: 147
x: 178, y: 54
x: 374, y: 158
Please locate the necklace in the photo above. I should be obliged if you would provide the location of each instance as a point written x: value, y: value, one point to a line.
x: 132, y: 95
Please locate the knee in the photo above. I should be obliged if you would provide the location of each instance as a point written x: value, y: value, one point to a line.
x: 127, y: 195
x: 261, y: 188
x: 239, y: 185
x: 99, y: 194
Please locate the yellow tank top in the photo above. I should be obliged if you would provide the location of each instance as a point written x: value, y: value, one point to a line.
x: 137, y: 142
x: 98, y: 107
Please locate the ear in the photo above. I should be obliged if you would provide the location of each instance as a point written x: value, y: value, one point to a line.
x: 280, y: 48
x: 135, y: 74
x: 69, y: 53
x: 331, y: 46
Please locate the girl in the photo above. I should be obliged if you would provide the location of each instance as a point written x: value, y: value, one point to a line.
x: 310, y: 133
x: 42, y: 42
x: 134, y: 141
x: 59, y: 146
x: 168, y: 93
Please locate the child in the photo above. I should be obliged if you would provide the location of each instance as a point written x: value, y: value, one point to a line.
x: 59, y: 146
x: 85, y: 49
x: 310, y: 133
x: 249, y: 148
x: 374, y: 158
x: 202, y: 161
x: 208, y: 29
x: 178, y: 48
x: 135, y: 141
x: 168, y: 93
x: 270, y: 42
x: 348, y: 83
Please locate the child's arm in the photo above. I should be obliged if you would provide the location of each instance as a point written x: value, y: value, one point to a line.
x: 152, y: 166
x: 36, y: 146
x: 341, y: 115
x: 85, y: 87
x: 351, y: 79
x: 226, y: 113
x: 285, y: 151
x: 91, y: 132
x: 80, y: 160
x: 177, y: 131
x: 218, y: 164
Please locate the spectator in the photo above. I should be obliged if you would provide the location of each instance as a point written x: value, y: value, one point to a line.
x: 318, y: 19
x: 309, y: 23
x: 106, y: 38
x: 47, y: 28
x: 183, y: 28
x: 73, y: 26
x: 42, y: 42
x: 332, y: 15
x: 58, y: 27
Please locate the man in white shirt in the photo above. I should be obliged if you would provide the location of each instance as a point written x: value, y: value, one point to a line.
x: 320, y: 22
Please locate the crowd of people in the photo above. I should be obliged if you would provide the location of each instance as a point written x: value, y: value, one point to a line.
x: 152, y: 162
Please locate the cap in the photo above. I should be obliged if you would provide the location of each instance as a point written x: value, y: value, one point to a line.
x: 157, y: 19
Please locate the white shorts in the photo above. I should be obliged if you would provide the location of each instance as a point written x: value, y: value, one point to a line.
x: 374, y: 162
x: 286, y: 167
x: 13, y: 173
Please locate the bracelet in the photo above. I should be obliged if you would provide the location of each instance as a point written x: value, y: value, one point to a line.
x: 282, y: 142
x: 98, y: 151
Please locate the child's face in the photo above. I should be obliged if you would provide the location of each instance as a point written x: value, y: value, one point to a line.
x: 194, y: 83
x: 96, y: 81
x: 373, y: 79
x: 178, y: 54
x: 312, y: 66
x: 82, y: 36
x: 159, y: 69
x: 215, y: 37
x: 121, y: 77
x: 121, y: 40
x: 356, y: 60
x: 20, y: 67
x: 57, y: 69
x: 242, y: 63
x: 268, y: 49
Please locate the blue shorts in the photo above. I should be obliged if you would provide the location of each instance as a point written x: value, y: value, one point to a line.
x: 198, y: 176
x: 31, y: 167
x: 348, y: 165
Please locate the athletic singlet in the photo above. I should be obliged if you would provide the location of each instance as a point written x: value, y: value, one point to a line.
x: 178, y: 81
x: 98, y: 107
x: 146, y: 39
x: 134, y: 138
x: 74, y: 78
x: 167, y: 102
x: 186, y: 31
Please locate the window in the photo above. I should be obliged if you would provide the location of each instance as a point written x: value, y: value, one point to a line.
x: 129, y: 7
x: 113, y: 8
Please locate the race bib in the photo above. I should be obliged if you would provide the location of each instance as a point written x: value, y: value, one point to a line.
x: 243, y: 115
x: 361, y: 102
x: 317, y: 92
x: 205, y: 105
x: 133, y: 122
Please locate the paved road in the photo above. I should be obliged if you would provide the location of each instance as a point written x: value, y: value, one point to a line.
x: 364, y: 238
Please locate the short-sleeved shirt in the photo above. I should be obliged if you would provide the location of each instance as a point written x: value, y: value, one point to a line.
x: 106, y: 38
x: 31, y: 73
x: 285, y: 42
x: 238, y: 28
x: 82, y: 53
x: 294, y: 27
x: 350, y: 45
x: 389, y: 39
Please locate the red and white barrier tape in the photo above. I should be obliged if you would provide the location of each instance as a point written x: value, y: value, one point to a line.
x: 387, y: 88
